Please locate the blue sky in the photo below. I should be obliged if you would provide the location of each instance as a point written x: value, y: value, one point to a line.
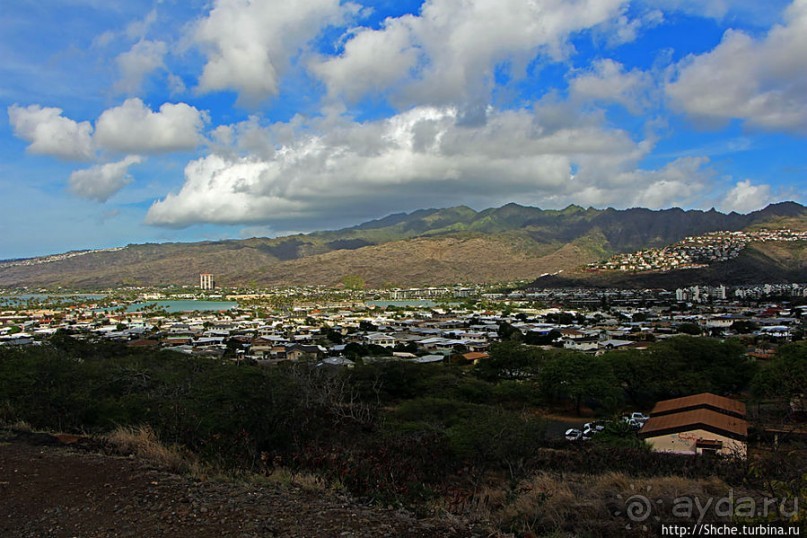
x: 153, y: 121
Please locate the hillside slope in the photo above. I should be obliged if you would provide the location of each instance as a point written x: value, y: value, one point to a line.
x: 426, y: 247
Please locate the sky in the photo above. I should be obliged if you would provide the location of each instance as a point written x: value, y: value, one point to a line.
x: 167, y: 120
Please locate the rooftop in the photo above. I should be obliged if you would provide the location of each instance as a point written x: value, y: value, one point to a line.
x: 705, y: 399
x: 698, y: 419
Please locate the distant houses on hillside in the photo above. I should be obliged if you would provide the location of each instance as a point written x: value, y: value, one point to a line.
x: 694, y: 252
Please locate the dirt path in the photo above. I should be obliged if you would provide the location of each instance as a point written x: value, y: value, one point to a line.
x: 56, y: 491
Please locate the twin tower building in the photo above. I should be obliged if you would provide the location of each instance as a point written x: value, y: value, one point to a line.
x: 206, y: 281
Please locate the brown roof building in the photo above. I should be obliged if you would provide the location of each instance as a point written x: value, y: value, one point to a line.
x: 698, y: 424
x: 705, y: 400
x: 705, y: 419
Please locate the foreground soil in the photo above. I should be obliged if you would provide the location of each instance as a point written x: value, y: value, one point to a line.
x: 48, y: 489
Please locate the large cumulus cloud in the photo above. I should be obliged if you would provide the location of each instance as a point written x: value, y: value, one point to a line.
x: 415, y: 159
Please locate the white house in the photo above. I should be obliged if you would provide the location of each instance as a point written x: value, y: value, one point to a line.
x: 380, y: 339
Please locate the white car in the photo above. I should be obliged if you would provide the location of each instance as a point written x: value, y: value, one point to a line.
x: 641, y: 417
x: 633, y: 423
x: 573, y: 434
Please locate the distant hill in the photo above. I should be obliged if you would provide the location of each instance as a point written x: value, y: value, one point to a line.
x: 757, y: 264
x: 425, y: 247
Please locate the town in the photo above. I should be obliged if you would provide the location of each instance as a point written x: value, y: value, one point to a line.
x: 432, y: 324
x: 695, y: 251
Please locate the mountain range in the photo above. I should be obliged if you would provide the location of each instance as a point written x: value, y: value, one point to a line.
x: 434, y: 247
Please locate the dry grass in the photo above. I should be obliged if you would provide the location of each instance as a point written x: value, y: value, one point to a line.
x: 286, y: 478
x: 577, y: 504
x: 141, y: 441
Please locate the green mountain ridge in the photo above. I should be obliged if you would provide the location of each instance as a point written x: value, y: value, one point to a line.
x: 424, y: 247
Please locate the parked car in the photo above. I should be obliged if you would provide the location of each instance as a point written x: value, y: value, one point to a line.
x: 596, y: 426
x: 573, y: 434
x: 641, y: 417
x: 633, y: 423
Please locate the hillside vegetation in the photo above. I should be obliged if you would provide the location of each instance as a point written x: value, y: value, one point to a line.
x: 461, y: 439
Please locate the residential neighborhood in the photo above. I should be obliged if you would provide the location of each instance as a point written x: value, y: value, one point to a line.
x: 365, y: 326
x: 695, y: 251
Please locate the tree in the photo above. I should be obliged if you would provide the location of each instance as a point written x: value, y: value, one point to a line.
x: 743, y: 326
x: 681, y: 366
x: 510, y: 360
x: 354, y: 351
x: 689, y: 328
x: 561, y: 318
x: 333, y: 335
x: 637, y: 373
x: 580, y: 378
x: 408, y: 347
x: 534, y: 338
x: 785, y: 378
x: 367, y: 326
x: 711, y: 365
x: 508, y: 332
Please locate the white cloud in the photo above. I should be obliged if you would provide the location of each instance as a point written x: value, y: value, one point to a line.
x: 607, y: 81
x: 249, y: 44
x: 134, y: 65
x: 761, y: 81
x: 373, y: 60
x: 745, y: 197
x: 134, y: 128
x: 100, y: 182
x: 416, y: 157
x: 447, y: 54
x: 50, y: 133
x: 679, y: 184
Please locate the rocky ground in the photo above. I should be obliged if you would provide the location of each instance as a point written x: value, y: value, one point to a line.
x: 49, y: 489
